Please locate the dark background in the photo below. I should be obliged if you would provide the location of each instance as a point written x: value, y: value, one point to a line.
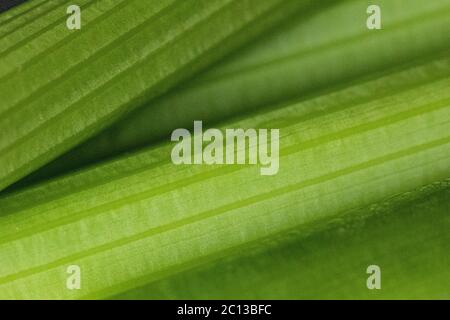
x: 7, y: 4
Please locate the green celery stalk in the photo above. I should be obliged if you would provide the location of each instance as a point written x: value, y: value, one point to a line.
x: 407, y: 236
x: 302, y: 58
x: 141, y: 218
x: 64, y: 86
x: 19, y: 16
